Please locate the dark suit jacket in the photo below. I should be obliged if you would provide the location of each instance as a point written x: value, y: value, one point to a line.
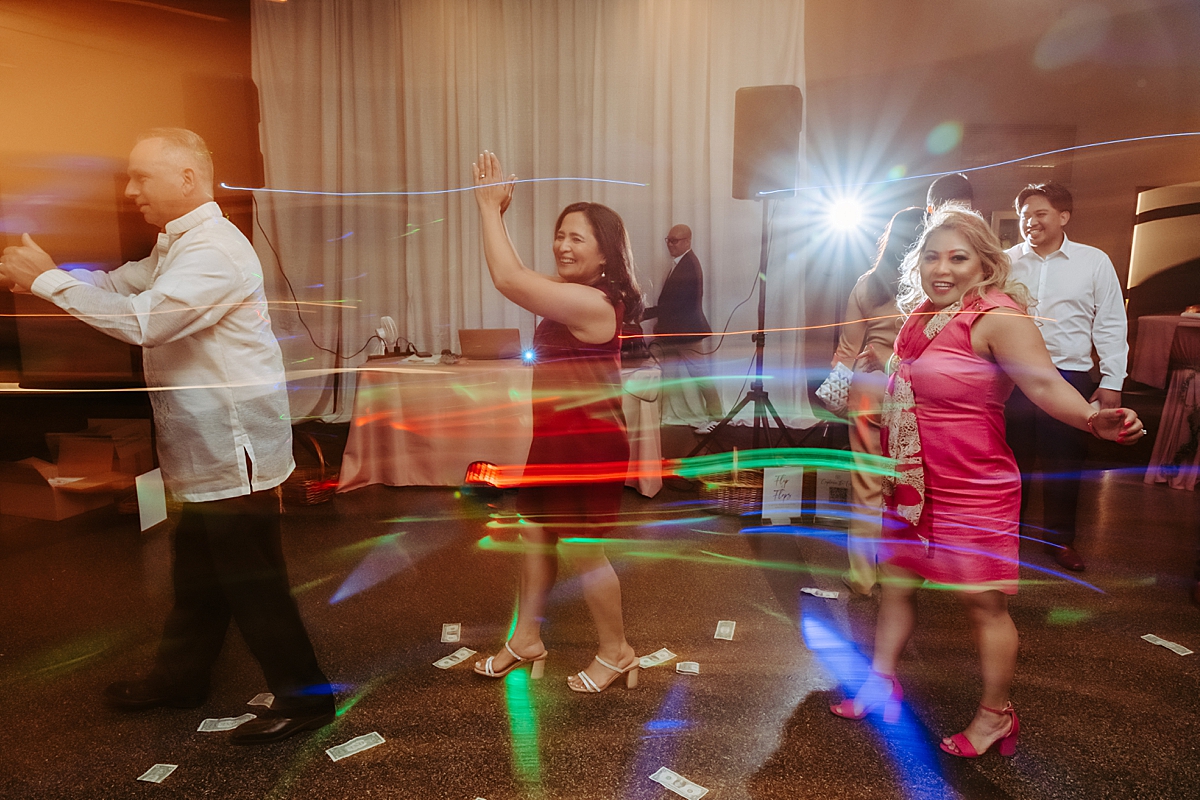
x: 679, y: 303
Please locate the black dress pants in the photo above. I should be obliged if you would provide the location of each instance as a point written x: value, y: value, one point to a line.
x: 1038, y: 439
x: 229, y: 565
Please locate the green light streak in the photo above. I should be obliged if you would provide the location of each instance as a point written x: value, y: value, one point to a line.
x: 523, y: 723
x: 63, y: 659
x: 305, y: 587
x: 814, y: 457
x: 1067, y: 616
x: 367, y: 544
x: 314, y: 746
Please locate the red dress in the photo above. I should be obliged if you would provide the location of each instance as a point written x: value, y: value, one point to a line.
x: 971, y: 517
x: 579, y: 458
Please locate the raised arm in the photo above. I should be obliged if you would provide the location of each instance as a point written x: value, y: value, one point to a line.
x: 1015, y: 344
x: 585, y: 310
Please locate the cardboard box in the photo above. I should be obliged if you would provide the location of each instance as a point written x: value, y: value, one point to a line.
x: 134, y: 455
x: 90, y: 467
x: 82, y: 479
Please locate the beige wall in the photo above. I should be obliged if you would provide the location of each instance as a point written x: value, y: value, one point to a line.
x: 882, y: 74
x: 86, y: 77
x: 81, y: 78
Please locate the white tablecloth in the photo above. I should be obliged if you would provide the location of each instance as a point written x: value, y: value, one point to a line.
x: 417, y: 428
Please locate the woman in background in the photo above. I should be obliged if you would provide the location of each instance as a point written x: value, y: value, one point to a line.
x: 578, y: 460
x: 954, y: 502
x: 872, y: 322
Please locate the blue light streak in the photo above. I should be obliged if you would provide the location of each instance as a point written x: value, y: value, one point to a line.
x: 926, y: 175
x: 430, y: 192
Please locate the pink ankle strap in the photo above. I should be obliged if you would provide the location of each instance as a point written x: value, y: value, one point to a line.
x: 1008, y: 709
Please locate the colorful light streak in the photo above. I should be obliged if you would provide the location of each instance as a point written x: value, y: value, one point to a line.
x: 928, y: 175
x: 906, y: 743
x: 457, y: 190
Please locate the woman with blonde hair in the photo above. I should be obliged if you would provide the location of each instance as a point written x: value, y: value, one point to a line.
x: 955, y: 499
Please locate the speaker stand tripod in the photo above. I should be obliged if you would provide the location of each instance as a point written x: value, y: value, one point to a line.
x: 756, y: 394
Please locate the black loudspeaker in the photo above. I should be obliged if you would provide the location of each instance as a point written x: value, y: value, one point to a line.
x: 766, y: 141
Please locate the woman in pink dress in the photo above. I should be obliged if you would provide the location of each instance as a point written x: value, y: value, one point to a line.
x: 955, y: 499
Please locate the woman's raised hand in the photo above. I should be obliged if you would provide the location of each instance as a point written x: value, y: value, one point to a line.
x: 492, y: 189
x: 1120, y: 425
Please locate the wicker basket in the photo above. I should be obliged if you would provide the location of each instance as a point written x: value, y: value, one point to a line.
x: 721, y: 493
x: 310, y: 485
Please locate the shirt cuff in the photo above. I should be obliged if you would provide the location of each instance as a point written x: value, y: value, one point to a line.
x: 1111, y: 383
x: 51, y: 281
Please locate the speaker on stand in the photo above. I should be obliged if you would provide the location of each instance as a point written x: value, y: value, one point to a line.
x: 766, y: 163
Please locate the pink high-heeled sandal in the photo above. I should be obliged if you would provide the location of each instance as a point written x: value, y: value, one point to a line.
x: 891, y: 703
x: 959, y: 745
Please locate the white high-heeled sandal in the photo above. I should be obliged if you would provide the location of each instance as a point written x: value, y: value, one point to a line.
x: 591, y: 687
x: 537, y: 665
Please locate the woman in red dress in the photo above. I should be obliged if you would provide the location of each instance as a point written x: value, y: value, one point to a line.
x: 578, y: 460
x: 955, y: 500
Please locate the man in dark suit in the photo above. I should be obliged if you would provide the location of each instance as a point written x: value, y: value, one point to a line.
x: 680, y: 316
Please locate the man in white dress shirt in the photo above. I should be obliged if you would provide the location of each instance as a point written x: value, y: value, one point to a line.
x: 1079, y: 308
x: 215, y: 373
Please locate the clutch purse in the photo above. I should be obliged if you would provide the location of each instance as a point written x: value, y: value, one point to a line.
x: 835, y: 391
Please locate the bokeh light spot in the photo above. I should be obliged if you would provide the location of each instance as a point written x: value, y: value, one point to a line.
x: 944, y: 138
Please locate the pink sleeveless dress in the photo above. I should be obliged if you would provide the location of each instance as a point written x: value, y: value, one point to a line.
x: 968, y: 532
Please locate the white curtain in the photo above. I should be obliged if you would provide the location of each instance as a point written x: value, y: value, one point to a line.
x: 380, y: 107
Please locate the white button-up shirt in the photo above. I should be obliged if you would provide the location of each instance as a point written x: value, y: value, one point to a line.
x: 1079, y: 306
x: 214, y: 369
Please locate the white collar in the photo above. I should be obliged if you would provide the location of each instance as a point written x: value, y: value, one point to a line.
x: 196, y: 216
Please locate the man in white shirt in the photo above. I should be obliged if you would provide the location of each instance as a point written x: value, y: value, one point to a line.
x: 215, y: 373
x: 1079, y: 308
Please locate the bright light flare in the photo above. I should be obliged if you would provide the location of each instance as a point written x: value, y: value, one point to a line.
x: 846, y: 214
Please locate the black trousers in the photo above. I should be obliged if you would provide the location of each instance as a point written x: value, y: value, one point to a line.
x: 1038, y: 439
x: 229, y: 565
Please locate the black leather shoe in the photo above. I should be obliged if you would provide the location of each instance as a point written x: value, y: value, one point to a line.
x: 274, y: 726
x: 1067, y: 558
x: 146, y: 694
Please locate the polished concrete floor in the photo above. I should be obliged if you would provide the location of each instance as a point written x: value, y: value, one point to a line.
x: 378, y: 571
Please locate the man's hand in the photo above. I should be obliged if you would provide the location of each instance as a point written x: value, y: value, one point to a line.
x: 1108, y: 398
x: 24, y: 263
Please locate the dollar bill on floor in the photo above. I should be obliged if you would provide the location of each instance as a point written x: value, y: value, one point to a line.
x: 263, y: 699
x: 661, y: 656
x: 224, y: 724
x: 687, y: 668
x: 1172, y: 646
x: 820, y: 593
x: 355, y: 745
x: 457, y: 657
x: 451, y: 631
x: 158, y: 773
x: 725, y: 630
x: 678, y: 784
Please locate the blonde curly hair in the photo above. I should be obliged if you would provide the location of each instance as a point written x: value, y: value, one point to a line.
x: 997, y: 270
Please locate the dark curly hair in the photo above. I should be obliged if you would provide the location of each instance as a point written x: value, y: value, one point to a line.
x: 618, y: 282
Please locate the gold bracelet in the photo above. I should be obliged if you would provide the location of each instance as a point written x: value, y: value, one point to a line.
x: 1092, y: 419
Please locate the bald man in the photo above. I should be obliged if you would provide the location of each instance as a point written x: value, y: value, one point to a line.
x: 680, y: 327
x: 196, y: 307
